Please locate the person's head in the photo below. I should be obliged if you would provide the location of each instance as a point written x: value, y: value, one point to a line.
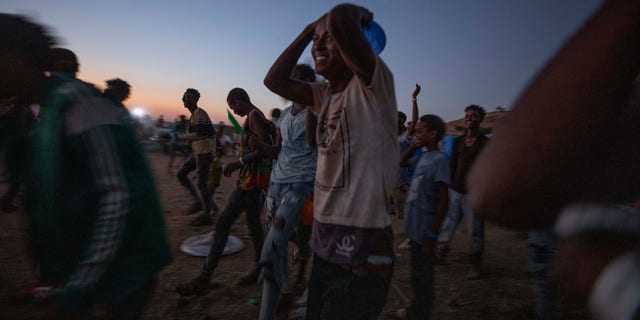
x: 24, y: 58
x: 190, y: 98
x: 275, y: 113
x: 429, y: 131
x: 402, y: 119
x: 473, y: 116
x: 326, y: 54
x: 238, y: 100
x: 64, y: 60
x: 118, y: 89
x: 304, y: 72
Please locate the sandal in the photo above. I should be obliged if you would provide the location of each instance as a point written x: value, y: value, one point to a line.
x: 198, y: 286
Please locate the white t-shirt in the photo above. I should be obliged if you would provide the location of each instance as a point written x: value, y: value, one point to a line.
x: 358, y: 153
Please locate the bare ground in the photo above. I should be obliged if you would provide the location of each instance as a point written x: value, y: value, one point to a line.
x: 504, y: 291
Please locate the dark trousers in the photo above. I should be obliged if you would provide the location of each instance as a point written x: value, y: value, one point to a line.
x: 251, y: 203
x: 201, y: 163
x: 337, y: 293
x: 422, y: 283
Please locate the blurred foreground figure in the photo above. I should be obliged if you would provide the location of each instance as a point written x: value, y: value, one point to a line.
x: 16, y: 129
x: 97, y: 227
x: 572, y: 138
x: 351, y: 237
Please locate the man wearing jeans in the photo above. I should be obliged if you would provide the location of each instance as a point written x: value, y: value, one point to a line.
x: 465, y: 150
x: 358, y: 153
x: 291, y: 186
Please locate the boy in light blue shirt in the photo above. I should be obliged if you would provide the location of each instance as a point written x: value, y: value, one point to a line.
x: 426, y: 207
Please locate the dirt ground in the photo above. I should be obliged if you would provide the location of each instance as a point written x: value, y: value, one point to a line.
x: 504, y: 291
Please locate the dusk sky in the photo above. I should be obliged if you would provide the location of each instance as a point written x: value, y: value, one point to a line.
x: 461, y: 51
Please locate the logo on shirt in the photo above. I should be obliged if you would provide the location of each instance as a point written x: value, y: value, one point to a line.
x: 345, y: 245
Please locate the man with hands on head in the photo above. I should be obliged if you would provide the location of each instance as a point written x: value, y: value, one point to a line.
x: 351, y: 238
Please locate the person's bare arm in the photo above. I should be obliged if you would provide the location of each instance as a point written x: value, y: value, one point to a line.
x: 555, y: 146
x: 258, y: 132
x: 346, y: 22
x: 414, y: 111
x: 268, y: 149
x: 279, y: 80
x: 406, y: 156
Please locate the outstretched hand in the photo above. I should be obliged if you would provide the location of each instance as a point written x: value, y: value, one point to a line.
x: 416, y: 92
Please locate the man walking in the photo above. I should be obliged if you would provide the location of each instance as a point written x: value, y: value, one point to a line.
x: 203, y: 144
x: 253, y: 181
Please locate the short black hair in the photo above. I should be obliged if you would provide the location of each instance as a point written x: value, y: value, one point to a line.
x: 476, y: 108
x: 31, y: 40
x: 402, y: 115
x: 63, y: 60
x: 434, y: 123
x: 306, y: 72
x: 193, y: 92
x: 238, y: 94
x: 119, y: 84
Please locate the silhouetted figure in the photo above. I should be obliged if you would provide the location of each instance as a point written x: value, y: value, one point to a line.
x: 117, y: 90
x: 64, y: 61
x: 253, y: 181
x: 180, y: 126
x: 160, y: 122
x: 203, y: 147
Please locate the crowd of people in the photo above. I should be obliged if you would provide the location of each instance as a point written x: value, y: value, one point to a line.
x: 98, y: 232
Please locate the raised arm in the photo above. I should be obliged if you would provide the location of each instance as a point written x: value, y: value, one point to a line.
x: 414, y: 111
x: 565, y: 140
x: 279, y: 79
x: 408, y: 154
x: 345, y: 23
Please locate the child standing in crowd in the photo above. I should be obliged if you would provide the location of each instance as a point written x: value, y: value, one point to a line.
x: 426, y: 207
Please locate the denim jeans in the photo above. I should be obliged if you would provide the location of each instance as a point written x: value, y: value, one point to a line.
x: 248, y: 201
x: 201, y: 163
x: 458, y: 208
x: 336, y: 293
x: 284, y: 202
x: 542, y: 251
